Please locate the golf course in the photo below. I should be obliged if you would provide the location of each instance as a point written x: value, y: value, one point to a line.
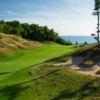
x: 49, y: 49
x: 31, y: 74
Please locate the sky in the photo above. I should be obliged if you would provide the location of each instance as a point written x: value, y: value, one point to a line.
x: 67, y: 17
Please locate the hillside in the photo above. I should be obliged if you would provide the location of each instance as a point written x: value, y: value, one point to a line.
x: 86, y: 60
x: 30, y: 74
x: 20, y: 69
x: 92, y: 52
x: 14, y: 42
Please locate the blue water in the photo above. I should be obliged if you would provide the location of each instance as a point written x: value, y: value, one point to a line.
x: 80, y: 39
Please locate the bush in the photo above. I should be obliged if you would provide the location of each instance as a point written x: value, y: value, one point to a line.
x: 31, y: 32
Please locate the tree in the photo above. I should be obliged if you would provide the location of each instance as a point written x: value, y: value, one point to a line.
x: 95, y: 37
x: 31, y: 32
x: 76, y: 43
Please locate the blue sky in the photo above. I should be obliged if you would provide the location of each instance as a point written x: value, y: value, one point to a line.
x: 67, y: 17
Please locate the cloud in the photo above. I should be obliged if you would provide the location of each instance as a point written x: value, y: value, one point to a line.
x: 9, y: 12
x: 63, y: 26
x: 72, y: 18
x: 12, y: 13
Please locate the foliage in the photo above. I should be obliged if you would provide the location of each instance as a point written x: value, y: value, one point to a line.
x: 76, y: 43
x: 95, y: 37
x: 85, y: 43
x: 31, y: 31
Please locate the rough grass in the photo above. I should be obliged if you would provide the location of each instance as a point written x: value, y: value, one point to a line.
x: 48, y: 82
x: 98, y: 72
x: 13, y: 42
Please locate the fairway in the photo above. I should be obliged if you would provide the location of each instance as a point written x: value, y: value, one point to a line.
x: 15, y: 65
x: 25, y: 76
x: 49, y: 50
x: 15, y: 61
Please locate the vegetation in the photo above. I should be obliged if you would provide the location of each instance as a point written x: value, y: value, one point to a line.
x: 31, y: 56
x: 43, y: 84
x: 95, y: 37
x: 98, y: 72
x: 47, y: 82
x: 28, y: 74
x: 14, y: 42
x: 19, y: 68
x: 15, y: 67
x: 31, y: 32
x: 85, y: 43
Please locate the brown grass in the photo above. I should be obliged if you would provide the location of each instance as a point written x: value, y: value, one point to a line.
x: 13, y: 42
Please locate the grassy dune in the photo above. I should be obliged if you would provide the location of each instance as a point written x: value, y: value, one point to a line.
x: 14, y: 42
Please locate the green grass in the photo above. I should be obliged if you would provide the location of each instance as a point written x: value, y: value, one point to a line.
x: 14, y: 66
x: 51, y: 83
x: 16, y: 61
x: 25, y: 76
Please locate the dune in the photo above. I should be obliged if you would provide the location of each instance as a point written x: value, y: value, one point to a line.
x: 13, y: 42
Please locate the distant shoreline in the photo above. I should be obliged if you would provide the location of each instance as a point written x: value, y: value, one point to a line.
x: 80, y: 39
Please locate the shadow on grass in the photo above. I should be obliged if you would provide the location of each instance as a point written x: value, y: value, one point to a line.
x: 37, y: 78
x: 4, y: 73
x: 62, y: 58
x: 11, y: 92
x: 86, y: 90
x: 47, y: 74
x: 41, y: 76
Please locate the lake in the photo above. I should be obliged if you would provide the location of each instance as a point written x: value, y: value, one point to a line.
x: 80, y: 39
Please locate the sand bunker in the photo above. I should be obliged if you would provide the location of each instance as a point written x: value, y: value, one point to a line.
x: 85, y: 61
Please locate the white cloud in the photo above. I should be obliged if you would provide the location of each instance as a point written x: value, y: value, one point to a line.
x: 9, y: 12
x: 74, y: 19
x: 63, y: 26
x: 12, y: 13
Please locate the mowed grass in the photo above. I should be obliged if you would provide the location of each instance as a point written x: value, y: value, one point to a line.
x: 25, y: 76
x: 21, y: 59
x: 15, y: 66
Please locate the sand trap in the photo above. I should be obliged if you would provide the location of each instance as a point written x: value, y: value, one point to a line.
x: 85, y: 61
x: 74, y: 63
x: 88, y: 71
